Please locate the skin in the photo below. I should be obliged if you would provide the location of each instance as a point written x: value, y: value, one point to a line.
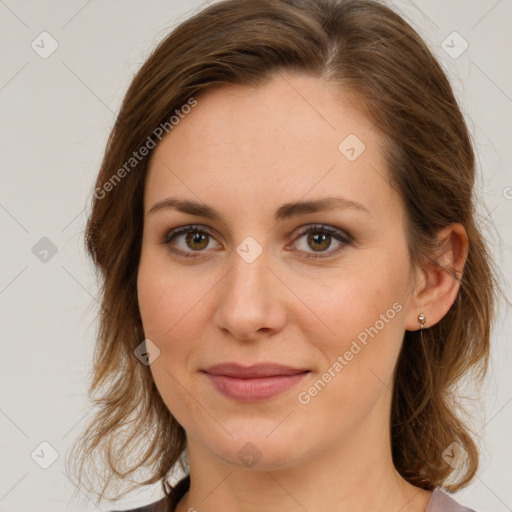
x: 245, y: 152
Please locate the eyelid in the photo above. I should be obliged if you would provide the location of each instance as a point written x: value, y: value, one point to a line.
x: 327, y: 229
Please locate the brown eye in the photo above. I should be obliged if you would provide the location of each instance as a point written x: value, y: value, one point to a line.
x: 320, y: 238
x: 187, y: 240
x: 319, y: 242
x: 196, y: 240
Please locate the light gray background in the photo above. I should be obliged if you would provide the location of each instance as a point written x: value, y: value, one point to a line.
x: 56, y: 115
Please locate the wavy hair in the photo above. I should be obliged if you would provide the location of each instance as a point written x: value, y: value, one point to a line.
x: 370, y: 52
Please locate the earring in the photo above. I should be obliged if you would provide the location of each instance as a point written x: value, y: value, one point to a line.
x: 422, y: 320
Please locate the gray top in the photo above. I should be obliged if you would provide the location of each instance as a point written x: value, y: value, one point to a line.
x: 441, y: 502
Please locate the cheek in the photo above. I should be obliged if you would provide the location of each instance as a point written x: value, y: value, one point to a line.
x: 161, y: 309
x: 354, y: 298
x: 166, y: 296
x: 365, y: 316
x: 170, y: 305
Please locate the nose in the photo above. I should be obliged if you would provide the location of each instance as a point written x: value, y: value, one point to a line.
x: 250, y: 300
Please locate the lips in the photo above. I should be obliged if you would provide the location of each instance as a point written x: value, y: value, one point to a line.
x: 254, y: 371
x: 253, y: 383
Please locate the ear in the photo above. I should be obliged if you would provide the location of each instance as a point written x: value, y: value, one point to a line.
x: 438, y: 283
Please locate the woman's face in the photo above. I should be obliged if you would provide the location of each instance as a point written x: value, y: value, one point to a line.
x: 250, y: 285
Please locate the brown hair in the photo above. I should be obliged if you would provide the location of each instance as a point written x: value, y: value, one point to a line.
x: 367, y: 50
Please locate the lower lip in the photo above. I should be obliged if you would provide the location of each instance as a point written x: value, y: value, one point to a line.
x: 254, y: 390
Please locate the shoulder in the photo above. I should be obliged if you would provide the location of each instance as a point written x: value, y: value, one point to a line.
x: 441, y: 502
x: 158, y: 506
x: 167, y: 503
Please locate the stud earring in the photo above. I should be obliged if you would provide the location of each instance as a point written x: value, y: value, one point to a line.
x: 422, y: 320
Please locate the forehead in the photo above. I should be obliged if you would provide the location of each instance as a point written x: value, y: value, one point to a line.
x: 293, y: 136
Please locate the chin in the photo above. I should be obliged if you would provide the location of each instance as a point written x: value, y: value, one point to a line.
x: 259, y: 451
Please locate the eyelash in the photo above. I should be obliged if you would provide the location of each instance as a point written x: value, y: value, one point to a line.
x: 344, y: 238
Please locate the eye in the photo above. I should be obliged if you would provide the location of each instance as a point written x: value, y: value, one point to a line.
x: 320, y: 238
x: 186, y: 240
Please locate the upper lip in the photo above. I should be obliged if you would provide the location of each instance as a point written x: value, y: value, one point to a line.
x: 253, y: 371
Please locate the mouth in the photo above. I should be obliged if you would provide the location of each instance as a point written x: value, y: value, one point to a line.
x: 254, y: 383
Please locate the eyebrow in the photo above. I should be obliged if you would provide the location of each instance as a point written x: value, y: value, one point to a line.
x: 286, y: 211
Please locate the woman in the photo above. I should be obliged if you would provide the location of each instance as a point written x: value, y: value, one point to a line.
x: 293, y: 280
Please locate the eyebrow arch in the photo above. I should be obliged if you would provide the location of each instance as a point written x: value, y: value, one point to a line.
x: 285, y: 211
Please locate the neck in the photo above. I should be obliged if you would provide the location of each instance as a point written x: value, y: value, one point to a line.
x: 358, y: 476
